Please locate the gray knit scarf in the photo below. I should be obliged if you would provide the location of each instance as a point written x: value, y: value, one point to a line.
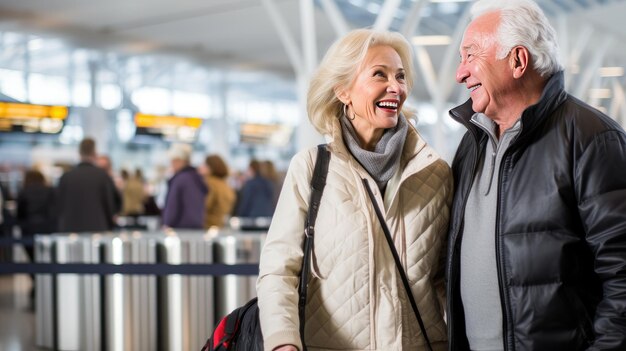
x: 381, y: 163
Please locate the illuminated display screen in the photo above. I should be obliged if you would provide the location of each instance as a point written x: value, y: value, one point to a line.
x: 174, y: 128
x: 28, y: 118
x: 266, y: 134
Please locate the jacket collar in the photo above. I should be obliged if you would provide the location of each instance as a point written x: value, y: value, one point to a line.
x: 184, y: 170
x: 552, y: 96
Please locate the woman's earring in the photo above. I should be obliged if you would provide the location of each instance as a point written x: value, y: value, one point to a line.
x: 345, y: 113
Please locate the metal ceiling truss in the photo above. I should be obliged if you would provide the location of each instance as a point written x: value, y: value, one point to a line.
x: 580, y: 60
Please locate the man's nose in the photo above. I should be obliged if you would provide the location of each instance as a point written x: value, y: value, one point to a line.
x: 461, y: 73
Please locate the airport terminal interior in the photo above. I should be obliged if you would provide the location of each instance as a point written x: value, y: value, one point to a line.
x: 149, y: 79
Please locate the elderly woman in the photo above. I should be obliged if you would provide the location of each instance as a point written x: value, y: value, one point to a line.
x: 356, y: 300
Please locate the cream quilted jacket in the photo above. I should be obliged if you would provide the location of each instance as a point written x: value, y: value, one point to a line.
x: 356, y: 298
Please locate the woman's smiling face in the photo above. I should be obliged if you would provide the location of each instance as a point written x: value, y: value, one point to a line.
x: 376, y: 96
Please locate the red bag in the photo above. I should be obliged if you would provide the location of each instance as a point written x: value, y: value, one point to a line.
x: 239, y: 330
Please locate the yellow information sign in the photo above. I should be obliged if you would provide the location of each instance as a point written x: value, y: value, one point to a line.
x: 174, y: 128
x: 29, y: 118
x: 267, y: 134
x: 143, y: 120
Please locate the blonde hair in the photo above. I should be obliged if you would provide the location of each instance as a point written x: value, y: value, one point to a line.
x: 340, y: 66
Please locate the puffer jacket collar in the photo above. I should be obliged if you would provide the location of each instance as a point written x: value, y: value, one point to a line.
x: 552, y: 96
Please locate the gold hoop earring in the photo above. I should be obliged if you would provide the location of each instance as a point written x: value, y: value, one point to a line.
x: 345, y: 113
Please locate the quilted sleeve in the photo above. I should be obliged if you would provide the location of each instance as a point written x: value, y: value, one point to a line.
x: 281, y: 257
x: 601, y: 190
x: 446, y: 191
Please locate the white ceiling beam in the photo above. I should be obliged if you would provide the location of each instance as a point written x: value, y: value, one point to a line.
x: 425, y: 66
x: 573, y: 57
x: 447, y: 71
x: 581, y: 44
x: 422, y: 57
x: 387, y: 12
x: 591, y: 69
x: 307, y: 135
x: 412, y: 20
x: 13, y: 51
x: 309, y: 43
x: 337, y: 20
x: 293, y: 52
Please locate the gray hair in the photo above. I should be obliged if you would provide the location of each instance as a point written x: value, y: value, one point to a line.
x: 522, y: 22
x: 340, y: 66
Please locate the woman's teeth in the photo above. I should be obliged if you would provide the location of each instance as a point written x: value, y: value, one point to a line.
x: 387, y: 104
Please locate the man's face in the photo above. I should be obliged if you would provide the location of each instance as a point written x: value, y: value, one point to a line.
x: 177, y: 164
x: 490, y: 80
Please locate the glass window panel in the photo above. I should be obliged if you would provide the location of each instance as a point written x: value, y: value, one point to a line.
x: 191, y: 104
x: 12, y: 84
x: 125, y: 127
x: 110, y: 96
x: 287, y: 112
x: 152, y: 100
x: 427, y: 114
x: 48, y: 90
x: 12, y: 50
x: 268, y: 112
x: 81, y: 94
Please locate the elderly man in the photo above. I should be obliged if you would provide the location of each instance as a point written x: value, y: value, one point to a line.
x: 537, y: 251
x: 186, y: 190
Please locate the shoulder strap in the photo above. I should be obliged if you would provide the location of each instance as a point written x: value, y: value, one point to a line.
x: 396, y: 258
x: 318, y: 182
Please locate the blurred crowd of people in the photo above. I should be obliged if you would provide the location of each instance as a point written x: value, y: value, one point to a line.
x: 92, y: 197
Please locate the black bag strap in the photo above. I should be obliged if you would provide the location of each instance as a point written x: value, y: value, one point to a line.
x: 318, y: 182
x: 396, y: 258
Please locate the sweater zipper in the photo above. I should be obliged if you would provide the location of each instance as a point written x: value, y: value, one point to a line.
x: 504, y: 297
x: 500, y: 264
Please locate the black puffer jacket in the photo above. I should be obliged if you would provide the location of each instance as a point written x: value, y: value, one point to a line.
x: 560, y: 227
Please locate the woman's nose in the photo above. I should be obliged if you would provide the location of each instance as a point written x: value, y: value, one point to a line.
x: 393, y: 86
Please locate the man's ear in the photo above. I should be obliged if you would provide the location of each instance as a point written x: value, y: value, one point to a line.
x: 343, y: 95
x: 519, y: 60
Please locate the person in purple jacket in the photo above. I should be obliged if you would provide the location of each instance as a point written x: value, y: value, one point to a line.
x: 186, y: 191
